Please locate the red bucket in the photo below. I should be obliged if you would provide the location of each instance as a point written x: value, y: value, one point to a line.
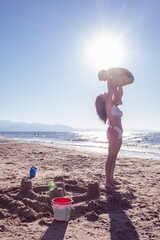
x: 62, y: 208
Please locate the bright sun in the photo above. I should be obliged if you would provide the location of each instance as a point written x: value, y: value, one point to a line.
x: 104, y: 51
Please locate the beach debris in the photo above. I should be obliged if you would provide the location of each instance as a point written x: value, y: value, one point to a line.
x: 93, y: 190
x: 26, y: 185
x: 32, y: 172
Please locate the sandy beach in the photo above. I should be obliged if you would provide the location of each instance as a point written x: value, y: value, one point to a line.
x: 130, y: 212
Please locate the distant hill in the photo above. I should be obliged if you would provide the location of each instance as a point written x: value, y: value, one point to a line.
x: 8, y: 126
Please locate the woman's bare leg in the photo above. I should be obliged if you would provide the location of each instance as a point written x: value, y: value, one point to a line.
x: 113, y: 164
x: 108, y: 170
x: 113, y: 144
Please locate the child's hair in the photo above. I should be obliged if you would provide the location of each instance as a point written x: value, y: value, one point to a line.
x: 100, y: 108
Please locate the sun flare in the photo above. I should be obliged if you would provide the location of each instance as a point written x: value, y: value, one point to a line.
x: 104, y: 51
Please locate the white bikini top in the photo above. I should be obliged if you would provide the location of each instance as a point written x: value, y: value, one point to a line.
x: 116, y: 111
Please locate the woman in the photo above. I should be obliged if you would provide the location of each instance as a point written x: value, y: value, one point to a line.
x: 107, y: 107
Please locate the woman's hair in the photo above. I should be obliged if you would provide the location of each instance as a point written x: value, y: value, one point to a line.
x: 100, y: 108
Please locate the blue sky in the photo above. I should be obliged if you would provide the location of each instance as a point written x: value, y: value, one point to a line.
x: 44, y: 72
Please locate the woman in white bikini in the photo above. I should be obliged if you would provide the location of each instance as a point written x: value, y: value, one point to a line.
x: 107, y: 107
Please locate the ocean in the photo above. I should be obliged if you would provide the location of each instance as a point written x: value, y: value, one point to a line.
x: 144, y: 144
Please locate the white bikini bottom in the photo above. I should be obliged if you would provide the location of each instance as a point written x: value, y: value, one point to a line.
x: 119, y: 131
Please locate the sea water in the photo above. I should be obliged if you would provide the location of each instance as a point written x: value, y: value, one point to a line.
x: 144, y: 144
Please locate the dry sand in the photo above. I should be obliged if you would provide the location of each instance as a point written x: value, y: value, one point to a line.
x: 131, y: 212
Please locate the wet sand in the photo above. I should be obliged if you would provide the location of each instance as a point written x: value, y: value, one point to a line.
x: 131, y: 212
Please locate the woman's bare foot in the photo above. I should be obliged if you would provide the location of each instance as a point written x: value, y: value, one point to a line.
x: 116, y: 182
x: 110, y: 185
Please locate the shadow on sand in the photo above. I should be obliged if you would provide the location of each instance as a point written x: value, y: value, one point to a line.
x: 56, y: 231
x: 121, y: 227
x: 115, y: 205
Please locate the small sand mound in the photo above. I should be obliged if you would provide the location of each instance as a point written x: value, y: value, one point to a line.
x: 92, y: 216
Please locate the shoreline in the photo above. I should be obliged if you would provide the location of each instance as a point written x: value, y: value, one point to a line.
x: 133, y: 211
x: 80, y: 148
